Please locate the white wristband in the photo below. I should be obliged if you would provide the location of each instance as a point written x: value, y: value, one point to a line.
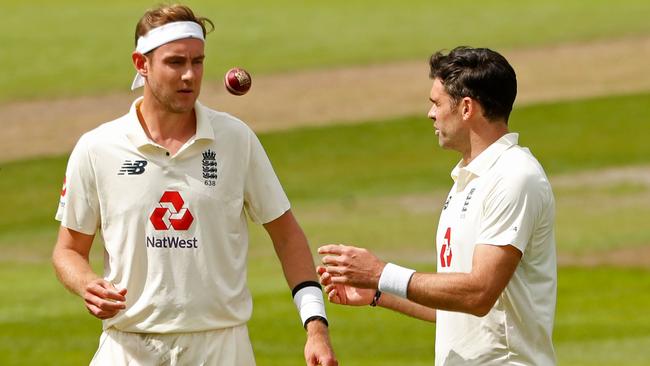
x: 395, y: 279
x: 309, y: 301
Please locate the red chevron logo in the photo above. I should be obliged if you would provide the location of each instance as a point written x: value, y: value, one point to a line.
x: 445, y: 250
x: 170, y: 213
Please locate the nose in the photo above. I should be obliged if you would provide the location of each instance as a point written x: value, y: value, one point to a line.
x: 432, y: 114
x: 188, y: 75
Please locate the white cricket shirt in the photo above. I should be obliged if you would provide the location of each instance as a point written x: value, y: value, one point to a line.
x: 502, y: 197
x: 174, y: 227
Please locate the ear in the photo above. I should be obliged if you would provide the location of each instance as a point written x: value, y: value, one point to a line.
x: 140, y: 63
x: 467, y: 108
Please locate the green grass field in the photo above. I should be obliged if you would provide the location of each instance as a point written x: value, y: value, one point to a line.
x: 75, y: 47
x: 390, y: 204
x: 600, y: 321
x: 377, y: 184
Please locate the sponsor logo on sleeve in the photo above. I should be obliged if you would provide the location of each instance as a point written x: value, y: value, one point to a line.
x: 64, y: 190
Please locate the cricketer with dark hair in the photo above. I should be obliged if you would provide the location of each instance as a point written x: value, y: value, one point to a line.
x: 494, y: 294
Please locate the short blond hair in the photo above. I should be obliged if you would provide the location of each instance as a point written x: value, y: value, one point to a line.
x: 164, y: 14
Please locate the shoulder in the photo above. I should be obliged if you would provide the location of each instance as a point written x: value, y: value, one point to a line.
x: 222, y: 122
x: 519, y: 163
x: 104, y: 134
x: 518, y: 171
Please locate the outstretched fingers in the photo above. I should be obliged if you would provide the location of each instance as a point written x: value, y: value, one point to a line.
x: 335, y: 249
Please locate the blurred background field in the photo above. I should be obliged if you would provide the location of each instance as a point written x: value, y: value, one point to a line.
x: 75, y: 47
x: 377, y: 183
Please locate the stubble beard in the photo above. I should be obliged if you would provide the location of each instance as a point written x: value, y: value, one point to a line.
x: 168, y: 100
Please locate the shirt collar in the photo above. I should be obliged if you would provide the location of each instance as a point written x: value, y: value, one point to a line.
x: 139, y: 138
x: 480, y: 164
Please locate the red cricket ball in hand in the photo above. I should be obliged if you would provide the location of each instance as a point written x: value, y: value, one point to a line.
x: 237, y: 81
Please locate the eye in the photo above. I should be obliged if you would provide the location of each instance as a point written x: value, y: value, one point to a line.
x: 175, y: 61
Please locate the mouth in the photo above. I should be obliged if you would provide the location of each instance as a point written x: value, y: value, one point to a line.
x: 185, y: 91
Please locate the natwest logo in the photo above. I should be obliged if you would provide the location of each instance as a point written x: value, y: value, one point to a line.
x: 170, y: 213
x: 445, y: 250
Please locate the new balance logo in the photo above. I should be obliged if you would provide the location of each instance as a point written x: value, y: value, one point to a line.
x: 132, y: 167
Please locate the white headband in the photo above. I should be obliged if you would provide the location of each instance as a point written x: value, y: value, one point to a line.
x: 164, y: 34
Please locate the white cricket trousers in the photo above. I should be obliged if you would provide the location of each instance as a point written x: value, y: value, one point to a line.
x: 221, y: 347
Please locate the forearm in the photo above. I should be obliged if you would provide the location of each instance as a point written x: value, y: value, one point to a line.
x: 461, y: 292
x: 407, y: 307
x: 292, y: 249
x: 297, y: 261
x: 475, y: 292
x: 73, y: 269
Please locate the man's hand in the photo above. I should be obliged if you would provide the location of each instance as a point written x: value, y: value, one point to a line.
x: 102, y: 299
x: 70, y: 259
x: 342, y: 294
x: 318, y: 349
x: 352, y: 266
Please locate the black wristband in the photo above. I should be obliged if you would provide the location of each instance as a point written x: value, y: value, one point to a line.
x: 375, y: 299
x: 316, y: 317
x: 302, y: 285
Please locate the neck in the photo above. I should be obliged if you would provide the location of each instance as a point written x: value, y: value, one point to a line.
x: 168, y: 129
x: 482, y: 137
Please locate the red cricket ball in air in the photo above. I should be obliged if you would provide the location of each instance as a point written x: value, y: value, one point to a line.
x: 237, y: 81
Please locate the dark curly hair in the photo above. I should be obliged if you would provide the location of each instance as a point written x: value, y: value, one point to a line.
x: 479, y: 73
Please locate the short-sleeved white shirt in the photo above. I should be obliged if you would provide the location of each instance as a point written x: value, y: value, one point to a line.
x: 502, y: 197
x: 174, y: 227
